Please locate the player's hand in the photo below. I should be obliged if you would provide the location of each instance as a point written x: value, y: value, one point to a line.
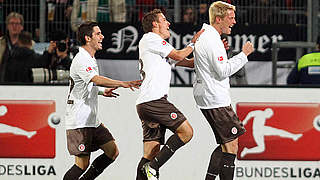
x: 108, y: 92
x: 225, y: 43
x: 196, y: 36
x: 132, y: 84
x: 247, y: 48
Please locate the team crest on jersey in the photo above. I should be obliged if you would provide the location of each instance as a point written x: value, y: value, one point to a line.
x: 173, y: 115
x: 220, y: 58
x: 164, y: 42
x: 89, y: 69
x: 234, y: 130
x: 81, y: 147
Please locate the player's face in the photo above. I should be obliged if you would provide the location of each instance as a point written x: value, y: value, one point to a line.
x: 163, y: 26
x: 228, y: 22
x: 96, y: 39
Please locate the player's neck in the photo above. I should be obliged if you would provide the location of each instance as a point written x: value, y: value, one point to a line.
x: 90, y: 50
x: 218, y: 28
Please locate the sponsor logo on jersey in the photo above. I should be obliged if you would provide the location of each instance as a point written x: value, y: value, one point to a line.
x: 279, y: 131
x: 27, y: 129
x: 164, y: 42
x: 220, y: 58
x: 89, y: 69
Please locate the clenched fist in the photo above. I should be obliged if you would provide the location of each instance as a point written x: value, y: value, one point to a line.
x: 247, y: 48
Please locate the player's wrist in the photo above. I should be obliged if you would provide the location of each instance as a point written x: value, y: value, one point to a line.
x: 191, y: 44
x: 101, y: 90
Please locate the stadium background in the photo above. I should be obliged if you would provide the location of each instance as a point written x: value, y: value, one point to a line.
x: 268, y: 21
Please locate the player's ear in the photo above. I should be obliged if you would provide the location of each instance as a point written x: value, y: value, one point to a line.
x: 87, y: 38
x: 154, y: 24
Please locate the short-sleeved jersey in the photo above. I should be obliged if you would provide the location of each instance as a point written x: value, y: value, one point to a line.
x: 83, y: 94
x: 154, y: 67
x: 213, y: 68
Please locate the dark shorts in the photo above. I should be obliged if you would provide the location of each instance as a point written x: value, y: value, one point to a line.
x: 225, y: 123
x: 83, y: 141
x: 156, y: 116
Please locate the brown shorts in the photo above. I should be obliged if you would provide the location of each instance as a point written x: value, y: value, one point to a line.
x: 225, y: 123
x: 83, y: 141
x: 156, y: 116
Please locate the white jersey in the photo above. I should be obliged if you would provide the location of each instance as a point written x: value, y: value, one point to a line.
x: 213, y: 68
x: 82, y: 112
x: 154, y: 67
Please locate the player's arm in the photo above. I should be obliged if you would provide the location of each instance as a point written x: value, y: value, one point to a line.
x: 111, y: 83
x: 223, y: 66
x: 186, y: 63
x: 180, y: 55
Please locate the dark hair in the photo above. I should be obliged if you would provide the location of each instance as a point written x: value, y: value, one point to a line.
x: 58, y: 35
x: 85, y: 29
x: 149, y: 18
x: 25, y: 38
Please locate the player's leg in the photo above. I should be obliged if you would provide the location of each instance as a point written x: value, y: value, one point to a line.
x: 214, y: 167
x: 103, y: 161
x: 150, y: 150
x: 156, y: 116
x: 229, y: 155
x: 229, y: 133
x: 80, y: 166
x: 140, y: 171
x: 182, y: 136
x: 78, y: 142
x: 227, y: 128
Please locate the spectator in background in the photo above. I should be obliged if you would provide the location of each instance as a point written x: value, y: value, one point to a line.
x: 97, y: 10
x: 145, y: 6
x: 307, y: 70
x: 59, y: 54
x: 59, y: 13
x: 189, y: 15
x: 203, y: 16
x: 14, y: 23
x: 22, y: 59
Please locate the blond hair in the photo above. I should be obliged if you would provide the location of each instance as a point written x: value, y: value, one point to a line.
x: 15, y: 15
x: 219, y: 9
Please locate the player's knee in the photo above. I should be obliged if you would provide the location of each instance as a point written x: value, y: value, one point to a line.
x: 232, y: 147
x: 114, y: 154
x: 189, y: 134
x: 185, y: 134
x: 151, y: 149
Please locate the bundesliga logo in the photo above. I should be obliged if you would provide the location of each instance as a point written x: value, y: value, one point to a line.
x: 27, y: 125
x: 279, y: 131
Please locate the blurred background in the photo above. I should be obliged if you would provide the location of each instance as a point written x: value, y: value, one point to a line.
x: 282, y: 31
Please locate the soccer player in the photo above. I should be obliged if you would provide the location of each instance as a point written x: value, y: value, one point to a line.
x: 85, y: 132
x: 211, y: 88
x: 156, y: 113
